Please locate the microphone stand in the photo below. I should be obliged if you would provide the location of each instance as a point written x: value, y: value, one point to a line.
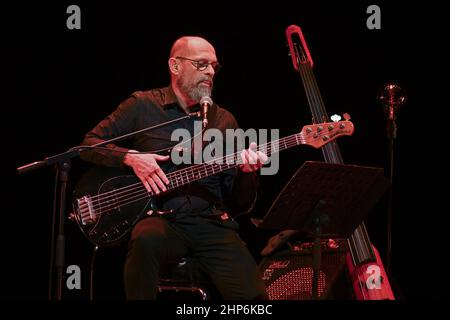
x: 392, y: 97
x: 61, y: 163
x: 391, y: 129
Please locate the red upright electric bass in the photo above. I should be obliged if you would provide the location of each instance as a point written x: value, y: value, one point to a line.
x: 367, y: 273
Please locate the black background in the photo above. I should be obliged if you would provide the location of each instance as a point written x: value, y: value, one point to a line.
x: 60, y: 83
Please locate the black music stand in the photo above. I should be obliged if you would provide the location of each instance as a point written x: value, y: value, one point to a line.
x: 326, y: 200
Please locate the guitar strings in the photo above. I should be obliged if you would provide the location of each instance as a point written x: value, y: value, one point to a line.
x: 193, y: 168
x: 137, y: 191
x: 215, y: 161
x: 210, y: 167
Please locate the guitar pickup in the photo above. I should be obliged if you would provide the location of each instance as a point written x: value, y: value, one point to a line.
x: 85, y: 210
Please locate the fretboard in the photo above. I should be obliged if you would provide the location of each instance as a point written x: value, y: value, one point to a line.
x: 196, y: 172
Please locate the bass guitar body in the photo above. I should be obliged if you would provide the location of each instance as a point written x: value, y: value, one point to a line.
x: 106, y: 207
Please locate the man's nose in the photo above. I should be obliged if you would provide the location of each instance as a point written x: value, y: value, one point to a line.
x: 210, y: 70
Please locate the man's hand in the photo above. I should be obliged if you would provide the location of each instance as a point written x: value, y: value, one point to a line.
x: 252, y: 160
x: 148, y: 171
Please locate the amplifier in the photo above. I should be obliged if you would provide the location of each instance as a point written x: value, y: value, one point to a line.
x: 288, y: 274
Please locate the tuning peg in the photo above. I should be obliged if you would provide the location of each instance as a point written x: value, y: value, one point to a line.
x: 346, y: 116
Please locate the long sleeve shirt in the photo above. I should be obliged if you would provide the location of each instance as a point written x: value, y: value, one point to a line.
x: 229, y: 190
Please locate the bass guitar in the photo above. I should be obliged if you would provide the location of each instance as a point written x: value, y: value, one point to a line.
x: 108, y: 201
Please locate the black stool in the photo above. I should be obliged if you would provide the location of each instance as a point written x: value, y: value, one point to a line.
x: 186, y: 276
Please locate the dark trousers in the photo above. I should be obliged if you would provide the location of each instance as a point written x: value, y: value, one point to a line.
x: 157, y: 241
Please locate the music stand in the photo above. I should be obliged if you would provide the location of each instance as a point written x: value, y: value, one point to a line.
x: 326, y: 200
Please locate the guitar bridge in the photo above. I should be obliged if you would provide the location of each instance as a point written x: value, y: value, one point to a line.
x: 86, y: 213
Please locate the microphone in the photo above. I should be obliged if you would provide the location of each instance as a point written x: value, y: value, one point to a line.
x: 205, y: 103
x: 392, y: 97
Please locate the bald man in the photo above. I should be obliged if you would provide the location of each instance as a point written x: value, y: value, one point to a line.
x: 200, y: 223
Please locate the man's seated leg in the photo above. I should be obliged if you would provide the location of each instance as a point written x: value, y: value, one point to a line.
x: 153, y: 243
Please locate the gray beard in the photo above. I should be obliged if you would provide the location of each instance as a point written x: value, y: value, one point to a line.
x: 194, y: 92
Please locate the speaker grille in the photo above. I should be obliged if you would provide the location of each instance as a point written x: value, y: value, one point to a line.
x: 288, y: 274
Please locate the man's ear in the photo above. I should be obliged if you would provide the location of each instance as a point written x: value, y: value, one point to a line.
x: 174, y: 66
